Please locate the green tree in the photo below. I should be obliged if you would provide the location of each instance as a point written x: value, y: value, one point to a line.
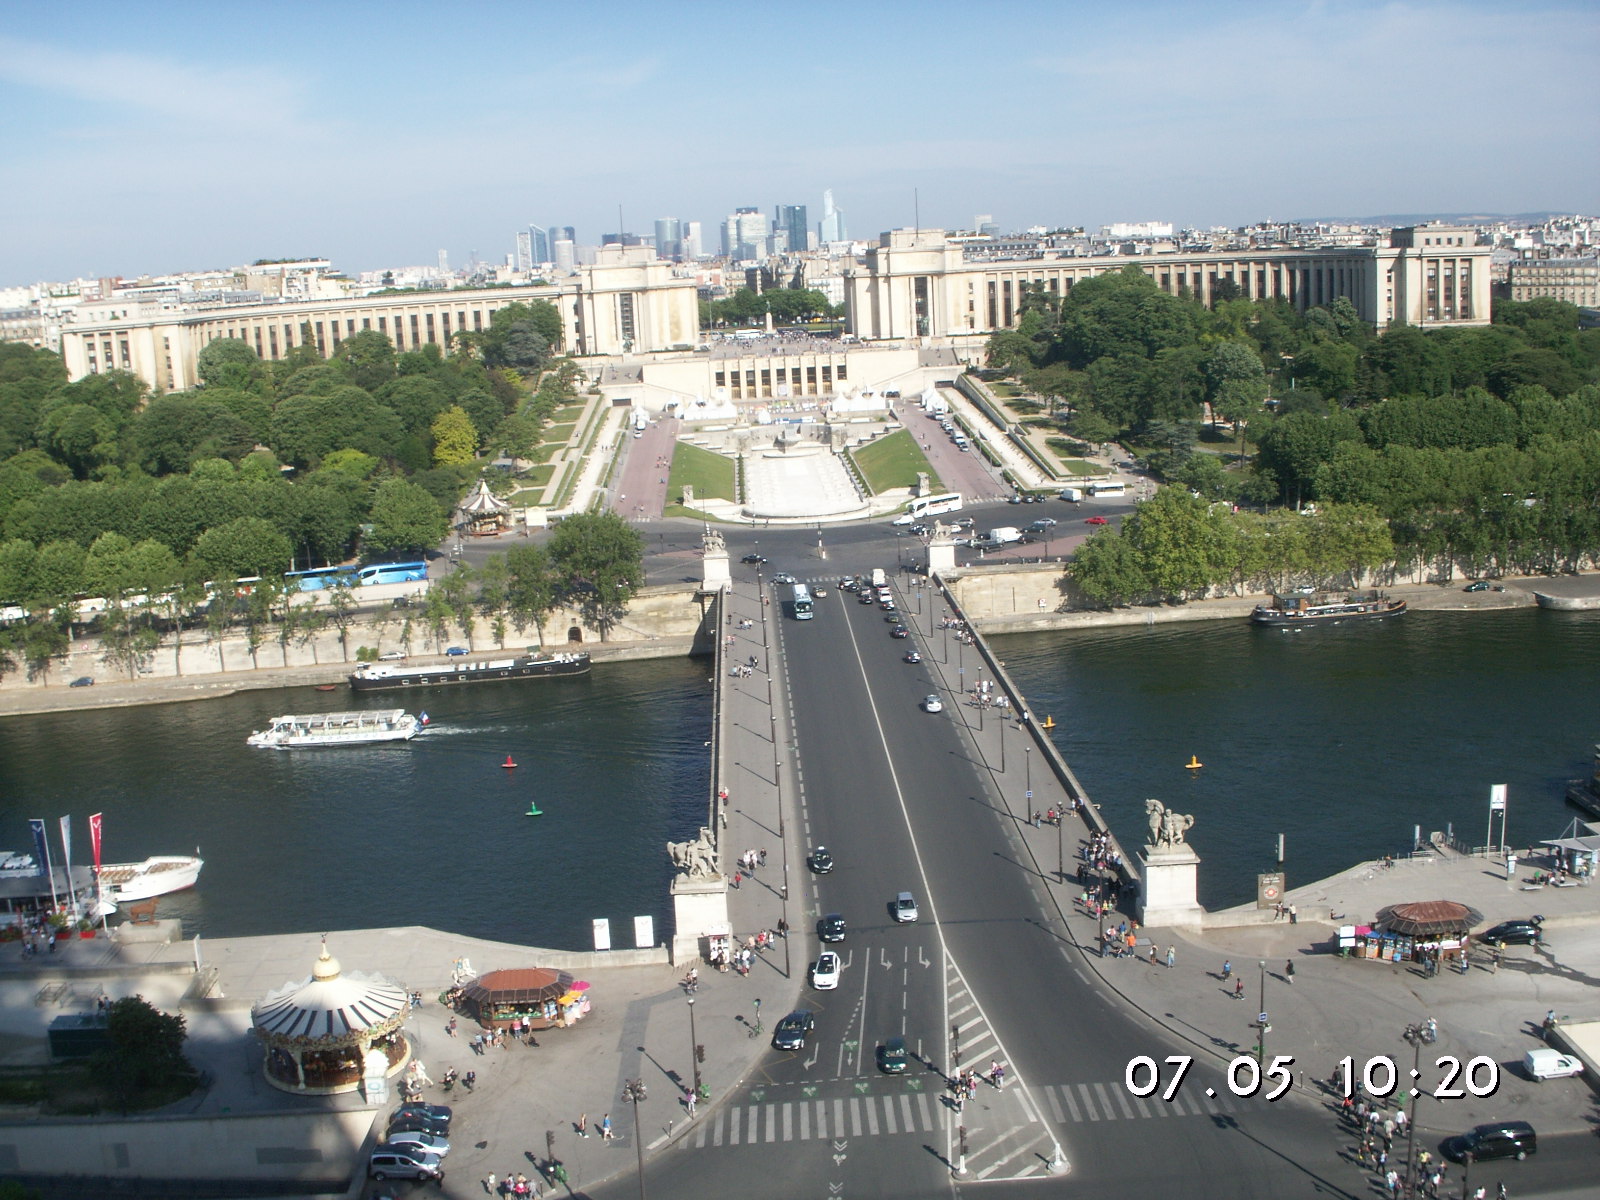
x: 309, y: 426
x: 1173, y: 537
x: 1109, y: 570
x: 230, y: 363
x: 404, y: 517
x: 368, y: 357
x: 532, y: 588
x: 239, y: 549
x: 1236, y: 384
x: 601, y: 559
x: 455, y: 441
x: 143, y: 1060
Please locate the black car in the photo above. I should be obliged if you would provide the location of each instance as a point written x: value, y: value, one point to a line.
x: 892, y: 1056
x: 753, y: 558
x: 1503, y: 1139
x: 1513, y: 933
x: 821, y: 861
x: 913, y: 657
x: 899, y: 631
x: 831, y: 928
x: 1480, y: 585
x: 866, y: 598
x: 82, y: 681
x: 422, y: 1118
x: 792, y: 1031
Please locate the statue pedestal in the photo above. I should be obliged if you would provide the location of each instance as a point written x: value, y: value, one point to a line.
x: 941, y: 555
x: 715, y: 573
x: 699, y: 911
x: 1167, y: 897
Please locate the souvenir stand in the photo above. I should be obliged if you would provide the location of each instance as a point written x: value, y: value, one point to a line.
x: 530, y: 997
x: 1428, y: 929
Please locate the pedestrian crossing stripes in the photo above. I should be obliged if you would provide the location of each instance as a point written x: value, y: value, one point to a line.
x: 922, y: 1113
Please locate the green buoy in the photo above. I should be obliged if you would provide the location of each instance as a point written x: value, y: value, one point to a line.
x: 533, y: 810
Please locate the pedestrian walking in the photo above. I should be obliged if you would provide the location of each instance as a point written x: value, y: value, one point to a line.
x: 1294, y: 915
x: 1238, y: 989
x: 605, y: 1128
x: 689, y: 1100
x: 490, y: 1184
x: 451, y: 1027
x: 1152, y: 954
x: 1288, y: 970
x: 1227, y: 970
x: 737, y: 876
x: 583, y: 1125
x: 1172, y: 957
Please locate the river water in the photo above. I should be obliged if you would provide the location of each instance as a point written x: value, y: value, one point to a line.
x: 1342, y: 738
x: 431, y: 832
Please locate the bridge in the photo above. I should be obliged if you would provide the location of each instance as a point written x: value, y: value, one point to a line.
x: 824, y: 739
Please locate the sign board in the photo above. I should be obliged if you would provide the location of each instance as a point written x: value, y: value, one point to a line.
x: 1269, y: 889
x: 1497, y: 798
x: 644, y: 932
x: 602, y: 934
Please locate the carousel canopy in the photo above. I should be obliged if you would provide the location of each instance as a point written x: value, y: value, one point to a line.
x: 481, y: 501
x: 1428, y: 918
x: 528, y: 985
x: 330, y: 1005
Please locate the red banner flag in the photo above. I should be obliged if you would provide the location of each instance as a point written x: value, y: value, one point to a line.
x: 94, y: 838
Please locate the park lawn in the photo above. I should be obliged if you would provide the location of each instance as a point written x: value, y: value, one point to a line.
x: 558, y: 434
x: 894, y: 461
x: 569, y: 412
x: 710, y: 475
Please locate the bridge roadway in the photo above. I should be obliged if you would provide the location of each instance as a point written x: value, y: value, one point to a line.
x: 910, y: 800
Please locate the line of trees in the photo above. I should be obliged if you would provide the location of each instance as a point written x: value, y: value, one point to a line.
x: 594, y: 563
x: 747, y: 307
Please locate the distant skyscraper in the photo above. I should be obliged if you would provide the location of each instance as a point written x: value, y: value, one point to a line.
x: 564, y: 254
x: 984, y: 225
x: 444, y: 262
x: 693, y: 240
x: 791, y: 221
x: 539, y: 244
x: 523, y: 259
x: 669, y: 238
x: 831, y: 227
x: 744, y: 234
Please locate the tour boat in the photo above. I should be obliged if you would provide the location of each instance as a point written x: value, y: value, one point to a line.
x: 377, y: 676
x: 338, y: 729
x: 1290, y: 611
x: 123, y: 882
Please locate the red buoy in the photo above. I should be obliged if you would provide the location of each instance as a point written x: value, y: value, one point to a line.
x: 508, y: 762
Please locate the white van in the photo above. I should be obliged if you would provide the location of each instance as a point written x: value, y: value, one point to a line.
x: 1075, y: 495
x: 1550, y: 1064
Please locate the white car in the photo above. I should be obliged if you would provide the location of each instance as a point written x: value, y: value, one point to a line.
x: 904, y: 519
x: 905, y: 907
x: 1551, y: 1064
x: 392, y: 656
x: 825, y: 971
x: 424, y: 1141
x: 932, y: 704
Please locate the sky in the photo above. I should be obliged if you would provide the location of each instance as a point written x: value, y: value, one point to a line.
x: 147, y: 137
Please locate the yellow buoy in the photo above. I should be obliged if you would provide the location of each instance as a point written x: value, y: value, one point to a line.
x: 1193, y: 763
x: 1049, y: 723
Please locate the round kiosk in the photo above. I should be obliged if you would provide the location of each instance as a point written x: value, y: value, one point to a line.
x: 319, y: 1033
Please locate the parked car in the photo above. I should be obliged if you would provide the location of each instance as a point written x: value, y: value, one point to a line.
x: 1502, y: 1139
x: 825, y: 971
x: 753, y: 558
x: 455, y: 651
x: 892, y: 1056
x: 432, y: 1142
x: 905, y: 907
x: 392, y: 656
x: 1095, y: 520
x: 932, y: 703
x: 792, y: 1031
x: 82, y: 681
x: 1477, y: 585
x: 404, y: 1162
x: 1513, y: 933
x: 821, y: 861
x: 1551, y: 1064
x: 830, y: 928
x: 431, y: 1118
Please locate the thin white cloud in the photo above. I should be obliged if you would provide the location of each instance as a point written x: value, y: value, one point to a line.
x: 138, y: 84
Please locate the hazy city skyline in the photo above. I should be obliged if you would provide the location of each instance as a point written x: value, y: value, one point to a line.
x: 168, y: 137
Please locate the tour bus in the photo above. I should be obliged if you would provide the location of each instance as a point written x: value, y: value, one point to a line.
x: 933, y: 506
x: 400, y: 572
x: 802, y: 603
x: 1108, y: 489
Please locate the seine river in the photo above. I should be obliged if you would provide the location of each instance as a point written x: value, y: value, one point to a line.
x: 1342, y: 738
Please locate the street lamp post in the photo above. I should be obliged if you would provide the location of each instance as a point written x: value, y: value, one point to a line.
x: 1261, y: 1020
x: 633, y: 1092
x: 1419, y: 1034
x: 694, y: 1049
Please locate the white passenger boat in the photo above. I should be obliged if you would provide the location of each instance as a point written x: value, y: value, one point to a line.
x: 124, y: 882
x: 338, y: 729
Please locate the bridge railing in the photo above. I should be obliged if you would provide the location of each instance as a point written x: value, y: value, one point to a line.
x: 721, y: 617
x: 1050, y: 756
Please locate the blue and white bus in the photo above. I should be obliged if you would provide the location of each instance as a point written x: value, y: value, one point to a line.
x: 318, y: 578
x: 397, y: 572
x: 803, y: 610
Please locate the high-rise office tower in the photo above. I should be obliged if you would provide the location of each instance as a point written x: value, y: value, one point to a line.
x: 791, y: 221
x: 539, y: 244
x: 744, y: 234
x: 831, y: 227
x: 669, y: 238
x: 693, y: 241
x: 984, y: 225
x: 523, y: 259
x: 564, y: 254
